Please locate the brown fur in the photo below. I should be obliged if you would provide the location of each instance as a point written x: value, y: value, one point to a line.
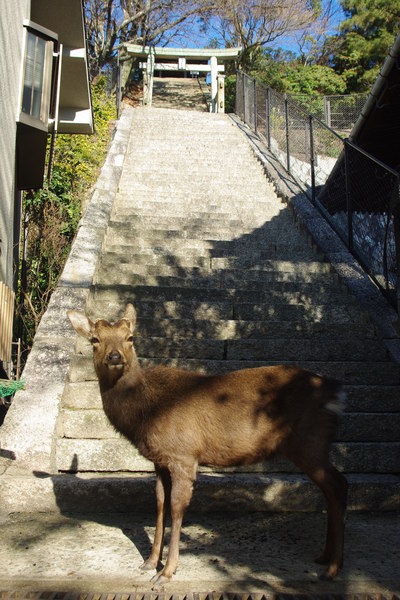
x: 180, y: 419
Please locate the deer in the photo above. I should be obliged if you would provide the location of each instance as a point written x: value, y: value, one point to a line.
x: 181, y: 419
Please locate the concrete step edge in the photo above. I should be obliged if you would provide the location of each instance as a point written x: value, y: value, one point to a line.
x: 136, y: 493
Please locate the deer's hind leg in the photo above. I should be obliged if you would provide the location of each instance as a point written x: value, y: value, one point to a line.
x: 334, y: 487
x: 163, y: 496
x: 312, y: 457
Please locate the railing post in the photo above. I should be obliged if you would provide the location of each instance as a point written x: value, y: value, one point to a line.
x: 396, y: 227
x: 349, y: 204
x: 244, y: 98
x: 237, y: 94
x: 255, y: 104
x: 312, y: 159
x: 118, y: 90
x: 287, y: 135
x: 268, y: 117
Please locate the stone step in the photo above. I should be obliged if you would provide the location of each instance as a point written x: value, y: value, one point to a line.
x: 168, y: 211
x: 119, y: 236
x: 193, y: 225
x: 275, y: 283
x: 255, y: 253
x: 349, y: 372
x: 221, y: 198
x: 139, y: 206
x: 354, y: 427
x: 114, y: 455
x: 211, y: 167
x: 176, y: 329
x: 361, y: 399
x: 130, y: 259
x: 253, y: 198
x: 108, y: 301
x: 197, y: 169
x: 221, y: 231
x: 272, y: 348
x: 132, y: 493
x: 230, y: 278
x: 250, y: 254
x: 277, y: 349
x: 238, y: 193
x: 286, y: 293
x: 220, y: 286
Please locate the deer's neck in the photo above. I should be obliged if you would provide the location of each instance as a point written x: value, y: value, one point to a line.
x: 125, y: 399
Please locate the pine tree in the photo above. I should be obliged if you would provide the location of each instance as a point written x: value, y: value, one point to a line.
x: 366, y: 36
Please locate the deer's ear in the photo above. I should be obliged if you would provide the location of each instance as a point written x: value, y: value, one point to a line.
x: 130, y: 315
x: 81, y: 323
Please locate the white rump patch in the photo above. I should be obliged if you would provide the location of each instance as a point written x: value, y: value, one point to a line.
x: 337, y: 406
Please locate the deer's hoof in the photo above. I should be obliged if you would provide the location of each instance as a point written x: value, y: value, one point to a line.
x: 329, y: 574
x: 148, y: 565
x: 159, y: 580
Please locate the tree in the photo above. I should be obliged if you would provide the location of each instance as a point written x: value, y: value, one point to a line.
x: 364, y: 41
x: 313, y: 79
x: 253, y: 24
x: 312, y: 41
x: 111, y: 23
x: 286, y: 73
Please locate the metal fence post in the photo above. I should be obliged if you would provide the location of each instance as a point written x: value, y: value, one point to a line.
x: 255, y: 104
x: 396, y: 227
x: 268, y: 117
x: 312, y: 160
x: 349, y: 203
x: 237, y: 93
x: 118, y: 88
x: 287, y: 135
x: 244, y: 98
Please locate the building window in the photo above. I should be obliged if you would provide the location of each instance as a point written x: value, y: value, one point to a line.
x: 37, y: 77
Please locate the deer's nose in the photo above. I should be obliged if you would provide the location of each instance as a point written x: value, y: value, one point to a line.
x: 114, y: 358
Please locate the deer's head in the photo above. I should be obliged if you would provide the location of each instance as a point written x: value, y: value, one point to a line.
x: 112, y: 343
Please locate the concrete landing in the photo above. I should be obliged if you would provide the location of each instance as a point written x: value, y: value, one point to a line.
x: 220, y: 552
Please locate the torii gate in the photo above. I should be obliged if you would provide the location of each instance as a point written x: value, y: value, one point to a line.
x: 182, y: 59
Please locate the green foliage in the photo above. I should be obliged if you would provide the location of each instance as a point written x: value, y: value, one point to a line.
x: 364, y: 40
x: 313, y: 79
x: 283, y: 72
x: 230, y: 93
x: 53, y: 212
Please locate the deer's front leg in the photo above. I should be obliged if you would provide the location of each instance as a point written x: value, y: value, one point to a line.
x: 163, y: 496
x: 182, y: 488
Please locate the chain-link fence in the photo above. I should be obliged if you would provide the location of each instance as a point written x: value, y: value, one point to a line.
x: 337, y: 112
x: 357, y: 193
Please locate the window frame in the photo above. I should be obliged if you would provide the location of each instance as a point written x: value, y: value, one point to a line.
x: 47, y: 76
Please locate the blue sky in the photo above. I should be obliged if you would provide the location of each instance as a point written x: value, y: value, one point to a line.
x: 198, y: 39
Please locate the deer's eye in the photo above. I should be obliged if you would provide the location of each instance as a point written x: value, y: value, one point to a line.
x: 95, y: 340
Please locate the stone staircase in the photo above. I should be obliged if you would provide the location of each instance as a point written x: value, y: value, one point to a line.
x: 179, y: 93
x: 223, y: 277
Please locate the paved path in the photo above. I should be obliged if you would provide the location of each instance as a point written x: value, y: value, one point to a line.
x: 219, y: 552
